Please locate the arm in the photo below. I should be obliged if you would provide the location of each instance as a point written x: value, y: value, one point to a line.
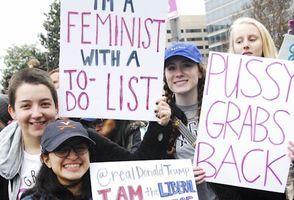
x: 153, y: 146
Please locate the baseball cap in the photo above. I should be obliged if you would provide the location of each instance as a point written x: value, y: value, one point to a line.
x: 184, y: 49
x: 59, y: 131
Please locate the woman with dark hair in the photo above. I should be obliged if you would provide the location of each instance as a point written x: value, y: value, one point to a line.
x: 64, y: 173
x: 184, y: 78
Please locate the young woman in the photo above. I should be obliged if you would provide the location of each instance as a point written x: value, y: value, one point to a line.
x: 184, y: 78
x: 32, y: 105
x: 250, y: 37
x: 64, y: 173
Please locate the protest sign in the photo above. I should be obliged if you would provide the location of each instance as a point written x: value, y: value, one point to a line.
x: 246, y: 121
x: 287, y: 49
x: 143, y: 180
x: 172, y: 9
x: 111, y: 58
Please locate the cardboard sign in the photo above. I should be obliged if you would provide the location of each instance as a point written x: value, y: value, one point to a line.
x: 246, y: 121
x: 287, y: 48
x: 111, y: 58
x: 143, y: 180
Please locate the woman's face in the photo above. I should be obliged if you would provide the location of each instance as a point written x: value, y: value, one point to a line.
x: 182, y: 75
x: 34, y: 108
x: 247, y: 40
x: 70, y: 161
x: 55, y: 79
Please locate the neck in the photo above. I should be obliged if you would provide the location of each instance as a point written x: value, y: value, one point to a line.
x: 187, y: 99
x: 76, y: 189
x: 32, y: 144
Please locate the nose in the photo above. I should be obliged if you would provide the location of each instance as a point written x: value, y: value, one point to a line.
x: 36, y: 112
x: 246, y: 44
x: 178, y: 71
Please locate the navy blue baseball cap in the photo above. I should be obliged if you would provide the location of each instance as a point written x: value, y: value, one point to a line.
x: 184, y: 49
x: 59, y: 131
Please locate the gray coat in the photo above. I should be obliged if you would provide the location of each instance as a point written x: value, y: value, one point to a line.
x: 11, y: 156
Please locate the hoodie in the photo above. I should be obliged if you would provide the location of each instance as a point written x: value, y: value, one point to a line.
x: 11, y: 156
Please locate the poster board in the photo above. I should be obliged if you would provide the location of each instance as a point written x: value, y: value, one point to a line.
x: 246, y: 121
x: 143, y: 180
x: 287, y: 49
x: 111, y: 58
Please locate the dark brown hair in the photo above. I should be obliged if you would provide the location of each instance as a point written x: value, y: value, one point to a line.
x: 32, y: 76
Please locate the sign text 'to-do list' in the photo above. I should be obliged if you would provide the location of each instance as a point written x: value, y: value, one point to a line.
x: 111, y: 58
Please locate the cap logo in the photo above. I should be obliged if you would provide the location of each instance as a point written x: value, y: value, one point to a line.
x: 66, y: 125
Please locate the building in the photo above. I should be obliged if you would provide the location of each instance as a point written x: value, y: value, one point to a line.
x: 219, y: 17
x: 189, y: 28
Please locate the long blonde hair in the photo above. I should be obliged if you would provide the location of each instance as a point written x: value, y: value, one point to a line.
x: 268, y: 46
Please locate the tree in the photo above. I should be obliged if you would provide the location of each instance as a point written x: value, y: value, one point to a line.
x: 274, y: 15
x: 17, y: 57
x: 50, y: 40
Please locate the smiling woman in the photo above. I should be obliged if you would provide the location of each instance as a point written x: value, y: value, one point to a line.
x: 65, y: 157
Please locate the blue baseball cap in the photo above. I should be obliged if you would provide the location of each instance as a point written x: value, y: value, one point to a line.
x: 59, y: 131
x: 184, y: 49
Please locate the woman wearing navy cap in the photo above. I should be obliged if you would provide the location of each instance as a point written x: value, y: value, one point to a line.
x: 64, y: 173
x: 184, y: 78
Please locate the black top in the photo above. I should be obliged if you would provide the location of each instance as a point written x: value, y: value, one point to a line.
x: 152, y: 147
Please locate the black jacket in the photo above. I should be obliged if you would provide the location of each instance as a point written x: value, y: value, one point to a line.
x: 152, y: 147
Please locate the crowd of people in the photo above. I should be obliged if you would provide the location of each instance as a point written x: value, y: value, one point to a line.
x: 37, y: 162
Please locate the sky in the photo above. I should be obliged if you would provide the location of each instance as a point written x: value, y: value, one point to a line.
x: 21, y: 20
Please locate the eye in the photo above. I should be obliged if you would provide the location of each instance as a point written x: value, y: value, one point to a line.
x: 81, y: 148
x: 46, y: 104
x: 25, y: 106
x: 188, y: 64
x: 238, y: 41
x: 62, y: 151
x: 170, y: 67
x: 252, y: 39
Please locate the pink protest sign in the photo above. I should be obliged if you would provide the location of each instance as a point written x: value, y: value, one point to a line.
x: 111, y: 58
x: 172, y: 9
x: 246, y: 121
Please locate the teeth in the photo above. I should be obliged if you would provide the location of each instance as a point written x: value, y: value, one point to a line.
x: 38, y: 123
x: 72, y: 166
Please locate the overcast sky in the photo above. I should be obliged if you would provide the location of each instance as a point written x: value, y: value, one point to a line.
x: 21, y: 20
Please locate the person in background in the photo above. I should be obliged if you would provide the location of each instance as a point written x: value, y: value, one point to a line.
x: 249, y: 37
x: 33, y: 105
x: 126, y: 133
x: 184, y: 78
x: 33, y: 63
x: 54, y: 75
x: 5, y: 117
x: 64, y: 173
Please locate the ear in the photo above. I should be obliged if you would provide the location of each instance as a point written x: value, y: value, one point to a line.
x: 46, y: 160
x: 11, y: 111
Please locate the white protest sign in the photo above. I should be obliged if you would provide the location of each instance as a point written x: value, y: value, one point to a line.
x: 246, y: 121
x: 287, y: 49
x: 111, y: 58
x: 143, y: 180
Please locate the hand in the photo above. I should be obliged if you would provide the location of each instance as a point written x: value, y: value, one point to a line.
x: 162, y: 111
x: 199, y: 175
x: 291, y: 149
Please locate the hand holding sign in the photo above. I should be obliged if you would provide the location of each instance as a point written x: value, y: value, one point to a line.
x: 163, y: 111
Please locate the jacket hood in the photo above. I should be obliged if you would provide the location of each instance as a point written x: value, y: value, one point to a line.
x: 11, y: 150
